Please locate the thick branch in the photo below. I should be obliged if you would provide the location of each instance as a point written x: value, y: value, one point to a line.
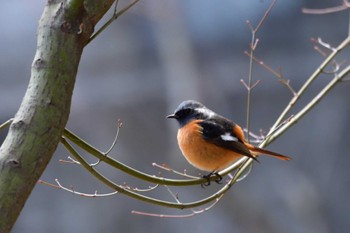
x: 38, y: 125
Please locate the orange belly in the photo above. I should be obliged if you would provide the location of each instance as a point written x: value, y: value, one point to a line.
x: 204, y: 156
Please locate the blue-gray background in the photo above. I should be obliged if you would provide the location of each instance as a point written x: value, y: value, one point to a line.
x: 143, y: 66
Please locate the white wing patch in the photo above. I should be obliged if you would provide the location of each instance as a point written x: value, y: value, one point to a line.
x: 206, y: 112
x: 228, y: 137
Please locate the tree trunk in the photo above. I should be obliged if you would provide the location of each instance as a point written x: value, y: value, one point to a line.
x: 64, y: 29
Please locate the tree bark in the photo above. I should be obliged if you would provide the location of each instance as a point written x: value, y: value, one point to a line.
x: 64, y: 29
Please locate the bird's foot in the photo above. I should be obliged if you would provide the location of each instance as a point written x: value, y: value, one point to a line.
x: 218, y: 179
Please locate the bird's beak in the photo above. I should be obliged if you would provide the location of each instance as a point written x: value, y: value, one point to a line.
x: 171, y: 116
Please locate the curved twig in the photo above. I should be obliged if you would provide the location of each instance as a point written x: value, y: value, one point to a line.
x: 151, y: 200
x: 131, y: 171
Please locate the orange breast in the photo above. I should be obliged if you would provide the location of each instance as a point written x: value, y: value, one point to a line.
x: 201, y: 154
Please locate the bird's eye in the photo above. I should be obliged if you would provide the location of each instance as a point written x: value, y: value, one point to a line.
x: 185, y: 112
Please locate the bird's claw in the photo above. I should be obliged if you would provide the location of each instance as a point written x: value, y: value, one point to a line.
x: 218, y: 179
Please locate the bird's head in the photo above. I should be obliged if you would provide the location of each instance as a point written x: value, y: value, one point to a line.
x: 190, y: 110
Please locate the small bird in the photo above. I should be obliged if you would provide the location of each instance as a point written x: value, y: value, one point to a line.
x: 211, y: 142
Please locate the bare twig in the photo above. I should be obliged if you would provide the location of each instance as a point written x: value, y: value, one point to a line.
x: 336, y: 65
x: 167, y: 168
x: 131, y: 193
x: 174, y: 195
x: 277, y: 132
x: 253, y: 45
x: 119, y: 125
x: 255, y: 138
x: 238, y: 176
x: 278, y: 73
x: 249, y: 88
x: 310, y: 80
x: 193, y: 212
x: 345, y: 5
x: 70, y: 160
x: 6, y: 124
x: 267, y: 12
x: 71, y: 190
x: 133, y: 172
x: 150, y: 188
x: 245, y: 174
x: 116, y: 15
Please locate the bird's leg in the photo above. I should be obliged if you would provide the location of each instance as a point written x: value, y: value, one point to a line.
x: 218, y: 178
x: 207, y: 177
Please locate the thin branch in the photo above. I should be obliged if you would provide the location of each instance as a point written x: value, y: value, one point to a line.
x: 335, y: 64
x: 115, y: 16
x: 327, y: 10
x: 151, y: 200
x: 119, y: 125
x: 278, y: 74
x: 70, y: 160
x: 338, y: 78
x: 193, y: 212
x: 324, y: 44
x: 6, y: 124
x: 167, y: 168
x: 247, y: 85
x: 320, y: 51
x: 310, y: 80
x: 349, y: 26
x: 133, y: 172
x: 256, y: 138
x: 71, y: 190
x: 253, y: 45
x: 279, y: 126
x: 174, y: 195
x: 150, y: 188
x: 235, y: 178
x: 267, y: 12
x: 245, y: 174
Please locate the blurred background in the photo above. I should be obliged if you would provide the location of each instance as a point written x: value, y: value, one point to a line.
x: 161, y: 53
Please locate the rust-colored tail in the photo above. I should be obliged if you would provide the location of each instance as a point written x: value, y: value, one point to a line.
x: 256, y: 151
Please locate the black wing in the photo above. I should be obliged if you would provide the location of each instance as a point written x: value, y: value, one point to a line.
x: 220, y: 132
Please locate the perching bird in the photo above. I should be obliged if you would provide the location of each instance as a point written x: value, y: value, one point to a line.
x: 211, y: 142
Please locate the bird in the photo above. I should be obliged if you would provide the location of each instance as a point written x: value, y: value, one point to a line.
x: 211, y: 142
